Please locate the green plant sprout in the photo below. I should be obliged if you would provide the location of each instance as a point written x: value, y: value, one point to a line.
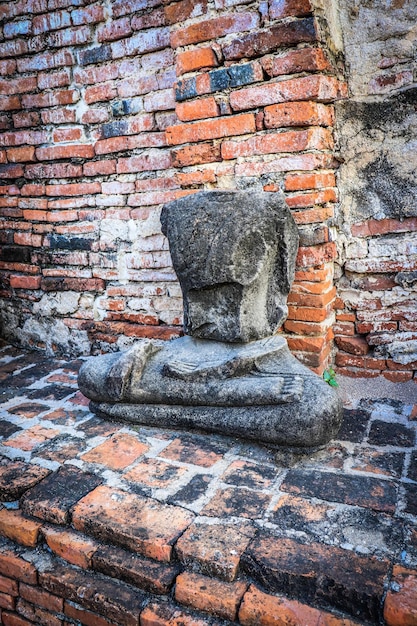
x: 330, y: 377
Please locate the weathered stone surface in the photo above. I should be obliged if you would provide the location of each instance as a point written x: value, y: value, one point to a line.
x: 234, y: 253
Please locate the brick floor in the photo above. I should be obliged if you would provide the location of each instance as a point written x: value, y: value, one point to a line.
x: 110, y: 525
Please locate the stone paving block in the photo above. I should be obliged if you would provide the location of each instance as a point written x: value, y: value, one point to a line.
x: 214, y: 549
x: 117, y: 452
x: 148, y: 575
x: 16, y: 527
x: 365, y: 491
x: 354, y: 425
x: 391, y: 434
x: 53, y: 498
x: 237, y: 502
x: 247, y: 474
x: 400, y: 608
x: 213, y: 596
x: 155, y: 473
x: 261, y: 609
x: 16, y: 477
x: 138, y: 523
x: 71, y: 546
x: 112, y: 599
x: 319, y: 574
x: 195, y: 449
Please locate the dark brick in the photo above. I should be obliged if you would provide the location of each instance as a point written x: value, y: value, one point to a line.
x: 251, y: 475
x: 36, y: 614
x: 132, y: 568
x: 185, y: 89
x: 28, y: 409
x: 410, y: 499
x: 95, y: 55
x: 15, y: 254
x: 61, y: 448
x: 240, y: 502
x: 115, y: 600
x: 412, y: 470
x: 318, y: 574
x: 354, y: 425
x: 380, y: 495
x: 50, y: 392
x: 69, y: 243
x: 377, y: 462
x: 262, y: 42
x: 95, y: 427
x: 114, y: 129
x: 196, y: 449
x: 16, y: 477
x: 193, y: 490
x: 53, y: 499
x: 391, y: 434
x: 7, y: 429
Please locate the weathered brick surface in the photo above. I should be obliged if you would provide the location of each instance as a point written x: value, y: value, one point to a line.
x: 98, y: 104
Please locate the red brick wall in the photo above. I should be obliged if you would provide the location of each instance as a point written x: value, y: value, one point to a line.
x: 108, y: 110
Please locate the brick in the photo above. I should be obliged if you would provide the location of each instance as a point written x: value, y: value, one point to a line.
x: 20, y: 85
x: 53, y: 498
x: 71, y: 546
x: 10, y: 103
x: 117, y: 452
x: 104, y: 167
x: 292, y: 141
x: 7, y: 602
x: 41, y: 598
x: 261, y: 609
x: 10, y: 619
x: 296, y: 61
x: 364, y: 491
x: 73, y: 189
x: 383, y: 226
x: 214, y: 549
x: 57, y: 116
x: 214, y: 28
x: 116, y: 29
x: 100, y: 93
x: 398, y: 377
x: 50, y: 99
x: 211, y: 129
x: 389, y: 433
x: 88, y: 15
x: 167, y: 614
x: 25, y: 282
x: 339, y: 577
x: 65, y: 152
x: 196, y: 154
x: 21, y: 155
x: 17, y: 528
x: 314, y: 87
x: 298, y: 182
x: 279, y: 9
x: 67, y: 134
x: 14, y: 566
x: 268, y: 40
x: 114, y: 600
x: 143, y: 573
x: 196, y: 59
x: 16, y: 477
x: 316, y: 255
x: 155, y: 473
x: 137, y: 523
x: 9, y: 586
x: 84, y: 617
x: 200, y: 592
x: 237, y: 502
x: 400, y: 606
x: 198, y: 109
x: 353, y: 345
x: 148, y: 20
x: 143, y: 163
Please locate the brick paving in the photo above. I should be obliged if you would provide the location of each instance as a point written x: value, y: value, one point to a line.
x: 105, y: 524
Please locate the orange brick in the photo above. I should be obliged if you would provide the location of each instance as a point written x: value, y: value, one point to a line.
x: 167, y: 614
x: 73, y: 189
x: 298, y: 114
x: 291, y: 141
x: 211, y: 129
x: 398, y: 377
x: 214, y: 28
x: 307, y: 328
x: 197, y: 109
x: 313, y: 216
x: 261, y: 609
x: 312, y: 300
x: 135, y: 522
x: 71, y: 546
x: 117, y: 452
x: 195, y: 155
x: 25, y: 282
x: 401, y: 606
x: 21, y: 155
x: 14, y: 566
x: 9, y: 586
x: 313, y: 180
x: 220, y: 598
x: 18, y: 528
x: 41, y: 598
x: 195, y: 60
x: 195, y: 178
x: 316, y: 255
x: 295, y: 61
x: 84, y: 151
x: 307, y: 314
x: 311, y: 198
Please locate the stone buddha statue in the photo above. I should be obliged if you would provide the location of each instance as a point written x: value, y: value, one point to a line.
x: 234, y: 255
